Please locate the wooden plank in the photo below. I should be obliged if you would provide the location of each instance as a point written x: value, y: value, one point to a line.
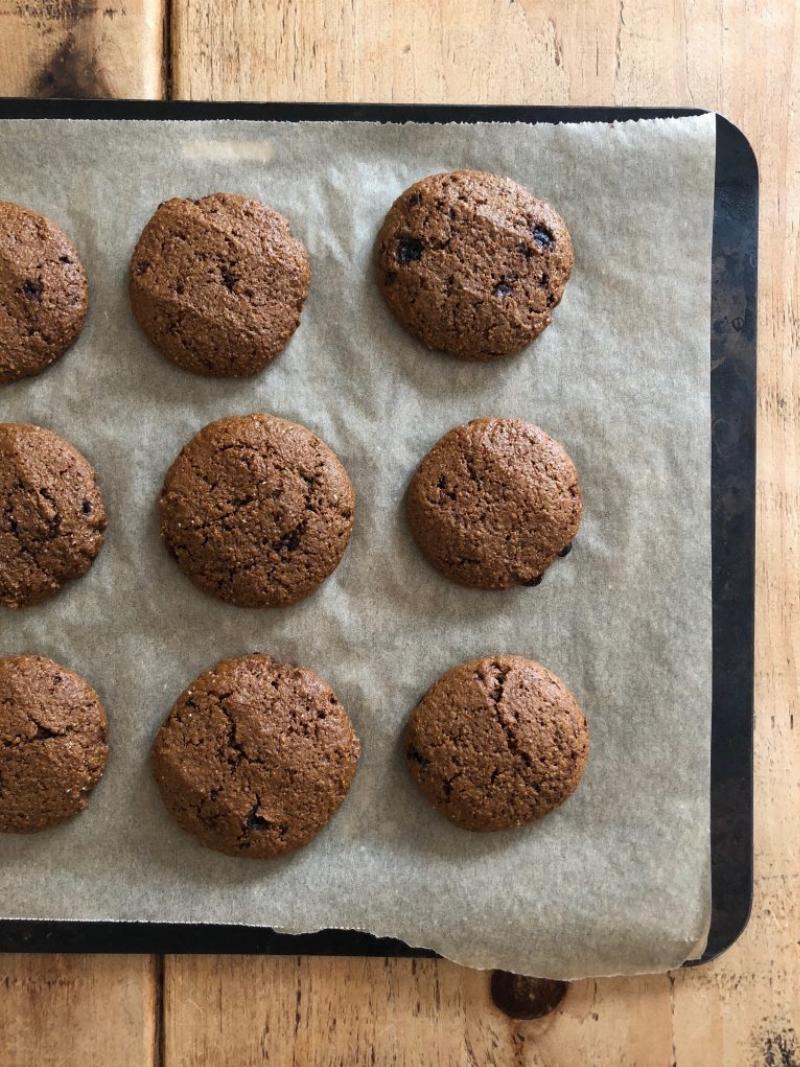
x: 293, y: 1011
x: 82, y: 48
x: 78, y: 1011
x: 744, y: 1009
x: 296, y: 1011
x: 453, y: 51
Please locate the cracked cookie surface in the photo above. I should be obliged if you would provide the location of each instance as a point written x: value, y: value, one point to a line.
x: 473, y: 264
x: 497, y: 742
x: 218, y: 284
x: 494, y: 503
x: 52, y: 515
x: 255, y: 757
x: 52, y: 743
x: 44, y: 294
x: 257, y: 510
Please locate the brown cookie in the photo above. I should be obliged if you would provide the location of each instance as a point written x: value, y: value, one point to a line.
x: 52, y: 515
x: 473, y: 264
x: 255, y: 757
x: 43, y: 292
x: 257, y: 510
x: 494, y: 503
x: 53, y: 751
x: 497, y: 742
x: 218, y: 284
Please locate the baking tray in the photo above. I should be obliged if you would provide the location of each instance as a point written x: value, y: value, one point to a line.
x: 733, y: 442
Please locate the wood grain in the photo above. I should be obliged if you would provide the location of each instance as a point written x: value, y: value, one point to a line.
x: 738, y: 56
x: 82, y: 48
x: 87, y: 1011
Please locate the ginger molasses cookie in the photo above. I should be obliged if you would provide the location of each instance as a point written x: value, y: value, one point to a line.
x: 218, y: 284
x: 53, y: 751
x: 257, y: 510
x: 43, y: 292
x: 494, y: 503
x: 52, y: 516
x: 255, y: 757
x: 497, y: 742
x: 473, y: 264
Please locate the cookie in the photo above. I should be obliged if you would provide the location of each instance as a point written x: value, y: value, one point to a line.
x: 53, y: 751
x: 44, y: 295
x: 52, y: 515
x: 473, y: 264
x: 255, y: 757
x: 497, y: 742
x: 218, y: 284
x: 257, y: 510
x: 494, y: 503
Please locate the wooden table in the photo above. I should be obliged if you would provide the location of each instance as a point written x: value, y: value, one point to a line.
x: 738, y: 56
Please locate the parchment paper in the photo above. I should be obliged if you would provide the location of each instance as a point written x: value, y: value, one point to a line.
x: 617, y: 881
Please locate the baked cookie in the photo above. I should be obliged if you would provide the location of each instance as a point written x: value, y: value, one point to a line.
x: 53, y: 751
x: 473, y: 264
x: 52, y: 515
x: 255, y: 757
x: 494, y: 503
x: 218, y: 284
x: 257, y: 510
x: 43, y: 292
x: 497, y: 742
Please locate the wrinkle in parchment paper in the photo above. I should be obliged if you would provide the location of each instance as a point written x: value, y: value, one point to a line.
x: 617, y: 880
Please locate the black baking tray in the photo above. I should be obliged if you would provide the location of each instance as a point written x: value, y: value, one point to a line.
x: 733, y: 442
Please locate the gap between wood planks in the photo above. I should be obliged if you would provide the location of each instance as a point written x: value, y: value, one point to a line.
x: 159, y: 1037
